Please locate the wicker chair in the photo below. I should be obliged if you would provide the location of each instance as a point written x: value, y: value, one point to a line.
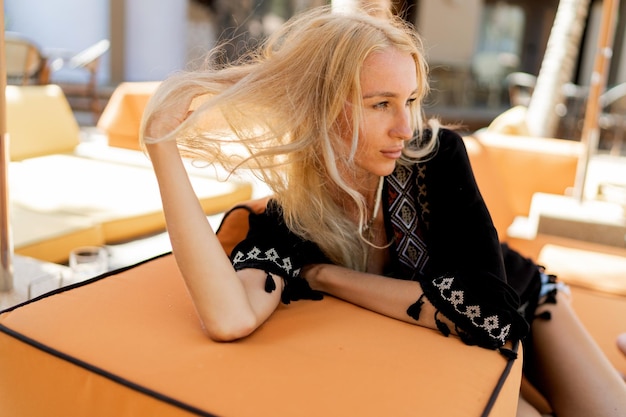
x: 25, y: 63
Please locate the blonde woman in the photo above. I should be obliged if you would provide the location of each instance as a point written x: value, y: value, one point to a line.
x: 368, y: 206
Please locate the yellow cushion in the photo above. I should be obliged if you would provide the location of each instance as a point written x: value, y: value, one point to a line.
x: 131, y: 344
x: 122, y: 201
x: 51, y: 236
x: 584, y: 268
x: 39, y: 121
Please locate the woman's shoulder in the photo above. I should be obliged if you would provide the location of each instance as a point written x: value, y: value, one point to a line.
x: 449, y: 138
x: 449, y: 146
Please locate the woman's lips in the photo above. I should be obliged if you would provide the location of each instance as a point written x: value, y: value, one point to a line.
x: 392, y: 153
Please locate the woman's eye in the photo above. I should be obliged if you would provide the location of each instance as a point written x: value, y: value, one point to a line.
x: 411, y: 101
x: 382, y: 105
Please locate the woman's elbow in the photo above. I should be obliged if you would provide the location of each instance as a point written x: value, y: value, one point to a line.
x: 231, y: 330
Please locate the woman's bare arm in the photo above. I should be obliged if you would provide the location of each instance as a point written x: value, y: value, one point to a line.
x: 230, y: 304
x: 388, y: 296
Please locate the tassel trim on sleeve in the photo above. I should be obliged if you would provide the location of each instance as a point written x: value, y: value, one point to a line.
x: 550, y: 286
x: 270, y: 284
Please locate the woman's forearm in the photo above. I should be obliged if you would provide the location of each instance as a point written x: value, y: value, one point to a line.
x: 388, y: 296
x: 220, y: 296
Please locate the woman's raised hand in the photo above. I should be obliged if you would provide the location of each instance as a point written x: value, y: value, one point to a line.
x: 168, y: 117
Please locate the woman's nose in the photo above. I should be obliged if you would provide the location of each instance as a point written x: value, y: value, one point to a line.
x: 402, y: 127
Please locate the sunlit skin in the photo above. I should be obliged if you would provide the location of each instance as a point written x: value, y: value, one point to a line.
x: 389, y: 85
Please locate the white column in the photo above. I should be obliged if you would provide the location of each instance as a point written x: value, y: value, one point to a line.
x: 156, y: 38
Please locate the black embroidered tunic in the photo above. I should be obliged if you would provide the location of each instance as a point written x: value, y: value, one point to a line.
x: 443, y: 237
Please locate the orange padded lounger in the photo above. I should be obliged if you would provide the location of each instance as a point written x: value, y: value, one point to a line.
x: 129, y: 343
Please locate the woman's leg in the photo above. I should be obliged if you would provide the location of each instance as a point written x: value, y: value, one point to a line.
x: 525, y: 409
x: 569, y: 368
x: 621, y: 345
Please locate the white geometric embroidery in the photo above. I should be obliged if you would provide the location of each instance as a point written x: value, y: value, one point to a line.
x: 456, y: 298
x: 490, y: 324
x: 446, y: 284
x: 271, y: 255
x: 472, y: 312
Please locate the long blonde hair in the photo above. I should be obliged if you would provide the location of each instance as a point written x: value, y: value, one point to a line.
x: 284, y: 107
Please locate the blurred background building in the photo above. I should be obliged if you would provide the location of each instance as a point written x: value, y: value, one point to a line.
x: 473, y: 46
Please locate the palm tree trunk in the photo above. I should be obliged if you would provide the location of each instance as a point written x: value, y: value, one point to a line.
x: 557, y: 67
x: 591, y: 130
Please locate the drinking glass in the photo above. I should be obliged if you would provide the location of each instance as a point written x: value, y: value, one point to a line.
x: 87, y: 262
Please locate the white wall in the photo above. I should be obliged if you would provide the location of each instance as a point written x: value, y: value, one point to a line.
x: 449, y: 29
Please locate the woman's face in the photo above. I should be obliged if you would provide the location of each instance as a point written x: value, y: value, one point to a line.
x: 389, y: 87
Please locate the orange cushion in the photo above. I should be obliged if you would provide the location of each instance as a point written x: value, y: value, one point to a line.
x: 527, y: 165
x: 130, y: 343
x: 491, y: 186
x: 121, y: 117
x: 234, y: 226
